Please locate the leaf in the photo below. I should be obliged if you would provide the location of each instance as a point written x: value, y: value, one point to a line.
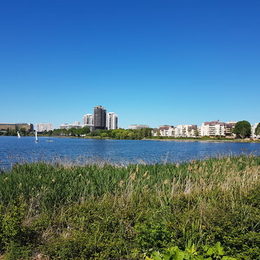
x: 156, y: 256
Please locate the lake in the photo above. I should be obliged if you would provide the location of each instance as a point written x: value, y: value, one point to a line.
x: 81, y: 151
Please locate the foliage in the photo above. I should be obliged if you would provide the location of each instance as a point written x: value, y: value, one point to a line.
x: 113, y: 212
x: 257, y: 130
x: 69, y: 132
x: 113, y: 134
x: 215, y: 252
x: 242, y: 129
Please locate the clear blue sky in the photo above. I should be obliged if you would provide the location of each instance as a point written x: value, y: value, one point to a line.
x: 152, y: 62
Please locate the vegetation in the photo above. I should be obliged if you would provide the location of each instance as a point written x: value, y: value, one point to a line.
x: 191, y: 253
x: 197, y: 210
x: 69, y: 132
x: 113, y: 134
x: 242, y: 129
x: 257, y: 130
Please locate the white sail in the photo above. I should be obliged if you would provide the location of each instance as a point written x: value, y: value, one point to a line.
x: 36, y: 136
x: 18, y: 135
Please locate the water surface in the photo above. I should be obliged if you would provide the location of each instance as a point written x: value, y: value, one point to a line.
x: 76, y: 150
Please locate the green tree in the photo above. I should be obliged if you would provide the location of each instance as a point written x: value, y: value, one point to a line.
x: 85, y: 130
x: 242, y: 129
x: 257, y: 130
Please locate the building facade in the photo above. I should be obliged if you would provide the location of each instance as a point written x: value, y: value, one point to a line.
x: 229, y: 128
x: 100, y: 117
x: 42, y: 127
x: 88, y: 120
x: 112, y: 121
x: 186, y: 131
x: 166, y: 130
x: 213, y: 128
x: 18, y: 126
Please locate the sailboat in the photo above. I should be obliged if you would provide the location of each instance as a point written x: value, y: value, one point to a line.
x: 18, y: 135
x: 36, y: 137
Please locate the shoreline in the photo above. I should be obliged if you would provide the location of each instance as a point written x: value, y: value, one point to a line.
x: 204, y: 140
x: 211, y: 140
x: 164, y: 139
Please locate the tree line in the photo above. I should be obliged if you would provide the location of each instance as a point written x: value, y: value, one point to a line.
x: 242, y: 130
x: 133, y: 134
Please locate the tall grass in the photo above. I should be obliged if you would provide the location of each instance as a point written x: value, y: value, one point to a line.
x: 114, y: 212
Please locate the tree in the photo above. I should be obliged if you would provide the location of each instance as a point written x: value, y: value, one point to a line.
x: 257, y: 130
x: 242, y: 129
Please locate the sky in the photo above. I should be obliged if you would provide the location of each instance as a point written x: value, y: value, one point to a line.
x: 152, y: 62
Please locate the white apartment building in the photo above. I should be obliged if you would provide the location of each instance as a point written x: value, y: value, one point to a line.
x: 164, y: 130
x: 178, y: 131
x: 213, y: 128
x: 253, y: 128
x: 42, y: 127
x: 111, y: 121
x: 88, y: 120
x: 186, y: 131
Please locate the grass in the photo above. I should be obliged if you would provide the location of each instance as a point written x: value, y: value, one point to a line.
x: 114, y: 212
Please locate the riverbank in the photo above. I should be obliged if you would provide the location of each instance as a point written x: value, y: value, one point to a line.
x: 213, y: 140
x: 168, y: 139
x: 181, y: 139
x: 113, y: 212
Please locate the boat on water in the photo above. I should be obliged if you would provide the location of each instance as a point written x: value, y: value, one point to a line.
x: 18, y: 134
x: 36, y: 137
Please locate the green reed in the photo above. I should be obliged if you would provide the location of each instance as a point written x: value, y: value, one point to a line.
x: 107, y: 211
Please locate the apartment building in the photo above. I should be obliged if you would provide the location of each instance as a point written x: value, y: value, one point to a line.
x: 88, y: 120
x: 186, y: 131
x: 42, y: 127
x: 100, y: 117
x: 229, y: 127
x: 165, y: 130
x: 112, y: 121
x: 17, y: 126
x: 212, y: 128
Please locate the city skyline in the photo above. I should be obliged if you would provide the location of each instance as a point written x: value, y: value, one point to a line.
x: 154, y: 63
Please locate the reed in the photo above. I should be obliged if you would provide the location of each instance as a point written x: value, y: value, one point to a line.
x: 107, y: 211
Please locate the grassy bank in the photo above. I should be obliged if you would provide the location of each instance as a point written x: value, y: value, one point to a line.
x: 109, y: 212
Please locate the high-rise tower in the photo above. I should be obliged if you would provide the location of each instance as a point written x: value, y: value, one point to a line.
x: 112, y: 121
x: 99, y: 117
